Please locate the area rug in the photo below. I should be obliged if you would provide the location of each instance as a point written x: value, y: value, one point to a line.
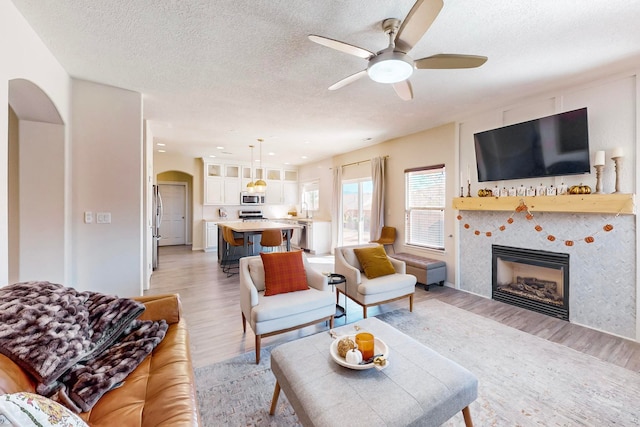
x: 523, y: 380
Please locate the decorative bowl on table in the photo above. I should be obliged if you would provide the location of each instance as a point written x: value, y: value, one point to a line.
x: 379, y: 347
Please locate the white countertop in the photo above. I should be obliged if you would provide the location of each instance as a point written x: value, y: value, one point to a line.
x: 301, y: 219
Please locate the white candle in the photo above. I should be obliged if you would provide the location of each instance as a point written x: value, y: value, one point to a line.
x: 468, y: 173
x: 617, y: 152
x: 461, y: 181
x: 599, y: 160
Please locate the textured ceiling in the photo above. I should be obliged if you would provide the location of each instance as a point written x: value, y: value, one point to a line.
x: 224, y: 73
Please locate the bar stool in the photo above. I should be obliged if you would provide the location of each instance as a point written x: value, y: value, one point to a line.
x: 271, y: 239
x: 233, y: 251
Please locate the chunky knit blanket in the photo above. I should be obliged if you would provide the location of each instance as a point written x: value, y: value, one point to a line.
x: 77, y: 345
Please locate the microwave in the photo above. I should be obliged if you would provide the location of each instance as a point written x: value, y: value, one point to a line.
x: 251, y: 198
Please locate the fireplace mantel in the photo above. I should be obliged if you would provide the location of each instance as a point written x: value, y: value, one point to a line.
x: 587, y: 203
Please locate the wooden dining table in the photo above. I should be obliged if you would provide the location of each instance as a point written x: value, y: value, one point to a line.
x: 252, y: 228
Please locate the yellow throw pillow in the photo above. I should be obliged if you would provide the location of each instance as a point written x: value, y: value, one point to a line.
x: 374, y: 261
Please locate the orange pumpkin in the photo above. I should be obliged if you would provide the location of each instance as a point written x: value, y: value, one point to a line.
x: 538, y: 228
x: 477, y: 232
x: 459, y: 217
x: 529, y: 217
x: 502, y: 228
x: 589, y: 239
x: 568, y: 242
x: 467, y: 226
x: 608, y: 227
x: 551, y: 237
x: 488, y: 233
x: 510, y: 220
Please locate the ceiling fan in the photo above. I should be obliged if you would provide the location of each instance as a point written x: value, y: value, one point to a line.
x: 393, y: 64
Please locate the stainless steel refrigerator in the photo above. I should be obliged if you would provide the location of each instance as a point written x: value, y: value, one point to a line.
x: 157, y: 220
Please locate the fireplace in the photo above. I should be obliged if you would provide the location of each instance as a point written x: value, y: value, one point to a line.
x: 532, y: 279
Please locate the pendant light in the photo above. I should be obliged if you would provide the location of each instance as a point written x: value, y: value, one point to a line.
x: 251, y: 186
x: 260, y: 185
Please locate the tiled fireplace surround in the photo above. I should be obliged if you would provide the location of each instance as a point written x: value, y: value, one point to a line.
x: 601, y: 274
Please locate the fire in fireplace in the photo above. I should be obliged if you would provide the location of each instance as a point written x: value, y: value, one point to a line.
x: 532, y: 279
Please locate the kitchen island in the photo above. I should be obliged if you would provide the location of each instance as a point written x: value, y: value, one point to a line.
x: 248, y: 229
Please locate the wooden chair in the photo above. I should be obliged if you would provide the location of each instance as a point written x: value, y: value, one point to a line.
x: 387, y: 237
x: 271, y: 239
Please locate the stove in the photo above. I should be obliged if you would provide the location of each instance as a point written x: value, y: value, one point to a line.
x: 251, y: 215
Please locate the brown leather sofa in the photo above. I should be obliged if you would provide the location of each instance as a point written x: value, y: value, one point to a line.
x: 160, y: 392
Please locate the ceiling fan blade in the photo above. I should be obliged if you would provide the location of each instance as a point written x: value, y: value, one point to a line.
x: 348, y: 80
x: 449, y: 61
x: 417, y: 22
x: 341, y: 46
x: 404, y: 90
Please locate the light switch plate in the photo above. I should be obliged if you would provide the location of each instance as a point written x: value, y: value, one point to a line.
x: 88, y: 217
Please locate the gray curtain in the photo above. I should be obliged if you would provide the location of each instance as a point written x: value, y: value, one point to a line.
x: 377, y: 198
x: 336, y: 208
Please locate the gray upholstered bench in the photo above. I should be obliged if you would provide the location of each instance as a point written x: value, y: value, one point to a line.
x: 427, y: 270
x: 418, y: 387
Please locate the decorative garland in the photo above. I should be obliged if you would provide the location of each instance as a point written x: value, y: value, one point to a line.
x: 522, y: 207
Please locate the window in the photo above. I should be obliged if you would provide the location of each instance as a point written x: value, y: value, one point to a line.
x: 310, y: 196
x: 356, y: 211
x: 424, y: 206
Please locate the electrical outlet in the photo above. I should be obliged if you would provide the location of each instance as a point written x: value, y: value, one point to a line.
x: 103, y: 218
x: 88, y: 217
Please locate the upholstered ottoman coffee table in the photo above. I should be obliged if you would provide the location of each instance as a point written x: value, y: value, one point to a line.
x: 417, y: 387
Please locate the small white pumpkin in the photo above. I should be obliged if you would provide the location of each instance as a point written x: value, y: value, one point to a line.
x: 354, y: 356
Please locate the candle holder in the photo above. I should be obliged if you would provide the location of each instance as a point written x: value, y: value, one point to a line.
x: 461, y: 191
x: 468, y: 188
x: 598, y: 178
x: 618, y: 163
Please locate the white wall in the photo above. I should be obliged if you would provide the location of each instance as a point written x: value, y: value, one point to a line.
x: 41, y: 201
x: 611, y: 105
x: 164, y: 162
x: 23, y: 55
x: 429, y: 147
x: 605, y: 287
x: 108, y: 174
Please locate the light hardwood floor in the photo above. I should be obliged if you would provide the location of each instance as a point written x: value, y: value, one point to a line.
x: 212, y: 310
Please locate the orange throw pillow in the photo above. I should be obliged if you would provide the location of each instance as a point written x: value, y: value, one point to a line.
x: 374, y: 261
x: 283, y: 272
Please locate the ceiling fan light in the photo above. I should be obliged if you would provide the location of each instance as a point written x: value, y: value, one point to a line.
x: 390, y: 67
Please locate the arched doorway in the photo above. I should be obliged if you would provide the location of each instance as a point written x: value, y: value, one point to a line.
x: 180, y: 185
x: 36, y: 185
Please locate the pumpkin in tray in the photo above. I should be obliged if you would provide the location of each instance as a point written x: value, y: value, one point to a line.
x: 344, y: 345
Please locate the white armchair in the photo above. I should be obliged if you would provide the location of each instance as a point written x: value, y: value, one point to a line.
x: 371, y: 292
x: 271, y: 315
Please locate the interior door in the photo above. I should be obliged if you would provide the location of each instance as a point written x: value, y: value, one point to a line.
x: 356, y: 211
x: 173, y: 225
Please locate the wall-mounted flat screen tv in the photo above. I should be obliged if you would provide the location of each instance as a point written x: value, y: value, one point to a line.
x: 550, y: 146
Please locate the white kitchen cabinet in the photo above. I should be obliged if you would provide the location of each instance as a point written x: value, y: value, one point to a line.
x: 290, y: 187
x: 219, y: 191
x: 319, y: 233
x: 223, y: 183
x: 232, y: 191
x: 213, y: 191
x: 210, y: 236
